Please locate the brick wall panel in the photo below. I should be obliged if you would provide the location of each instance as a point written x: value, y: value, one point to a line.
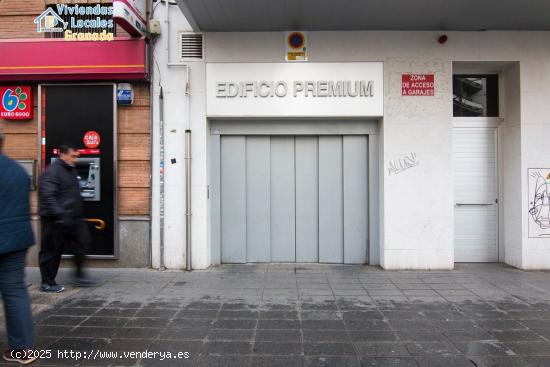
x: 133, y: 174
x: 133, y: 147
x: 133, y: 120
x: 133, y: 201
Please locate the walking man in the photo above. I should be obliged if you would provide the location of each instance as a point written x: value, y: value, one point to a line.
x: 62, y: 223
x: 15, y: 238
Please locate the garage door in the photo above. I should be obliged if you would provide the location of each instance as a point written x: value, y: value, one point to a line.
x: 475, y: 181
x: 294, y: 199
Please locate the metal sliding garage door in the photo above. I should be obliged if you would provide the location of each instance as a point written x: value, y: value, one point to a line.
x: 294, y: 199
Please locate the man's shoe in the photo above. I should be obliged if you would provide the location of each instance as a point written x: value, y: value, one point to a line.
x: 84, y: 282
x: 22, y: 356
x: 56, y: 288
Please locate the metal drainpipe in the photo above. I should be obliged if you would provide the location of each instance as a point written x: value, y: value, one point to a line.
x: 188, y: 181
x: 161, y: 181
x: 187, y: 156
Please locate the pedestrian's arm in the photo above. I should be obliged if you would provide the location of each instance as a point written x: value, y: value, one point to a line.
x: 49, y: 203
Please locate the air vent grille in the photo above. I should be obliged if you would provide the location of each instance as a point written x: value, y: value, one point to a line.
x: 191, y: 46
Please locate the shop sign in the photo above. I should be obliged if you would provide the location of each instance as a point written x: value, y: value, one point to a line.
x: 91, y: 139
x: 418, y: 85
x: 301, y: 89
x: 16, y: 103
x: 77, y: 22
x: 130, y: 14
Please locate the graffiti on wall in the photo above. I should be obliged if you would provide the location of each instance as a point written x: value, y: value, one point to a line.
x: 539, y: 202
x: 402, y: 164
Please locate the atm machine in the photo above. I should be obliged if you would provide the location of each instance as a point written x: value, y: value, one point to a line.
x: 69, y: 114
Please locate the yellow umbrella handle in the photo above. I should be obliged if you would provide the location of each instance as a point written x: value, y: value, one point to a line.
x: 99, y: 224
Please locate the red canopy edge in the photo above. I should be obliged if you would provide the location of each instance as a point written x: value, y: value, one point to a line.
x: 59, y: 60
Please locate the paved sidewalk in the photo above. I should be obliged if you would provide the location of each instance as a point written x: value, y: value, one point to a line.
x: 305, y: 315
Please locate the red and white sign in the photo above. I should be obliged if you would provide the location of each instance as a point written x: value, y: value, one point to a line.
x: 418, y: 85
x: 91, y: 139
x: 130, y: 14
x: 16, y: 102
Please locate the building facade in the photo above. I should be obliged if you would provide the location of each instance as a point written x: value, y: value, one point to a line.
x: 441, y: 159
x: 247, y: 142
x: 71, y: 88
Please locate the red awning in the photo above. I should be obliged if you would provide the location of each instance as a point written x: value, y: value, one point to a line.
x: 58, y: 59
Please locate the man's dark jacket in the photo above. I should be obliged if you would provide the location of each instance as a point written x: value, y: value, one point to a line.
x: 59, y: 195
x: 15, y: 221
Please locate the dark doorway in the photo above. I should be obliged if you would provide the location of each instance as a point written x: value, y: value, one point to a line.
x: 84, y: 116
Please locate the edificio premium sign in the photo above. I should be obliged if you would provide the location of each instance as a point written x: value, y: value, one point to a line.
x: 308, y: 88
x: 294, y: 90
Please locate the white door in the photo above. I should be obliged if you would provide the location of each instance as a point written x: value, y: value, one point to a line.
x: 475, y: 182
x: 294, y: 199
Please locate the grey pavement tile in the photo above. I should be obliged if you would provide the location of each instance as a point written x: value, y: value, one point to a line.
x: 403, y: 315
x: 277, y: 361
x: 223, y: 361
x: 412, y: 325
x: 201, y: 314
x: 147, y: 322
x: 238, y: 314
x: 500, y: 361
x: 279, y: 314
x: 532, y: 348
x: 382, y: 349
x: 373, y: 325
x: 48, y: 330
x: 334, y: 336
x: 491, y: 325
x: 279, y: 335
x: 116, y: 312
x: 137, y: 333
x: 372, y: 336
x: 329, y: 349
x: 537, y: 361
x: 321, y: 315
x: 75, y: 311
x: 92, y: 332
x: 235, y: 324
x: 362, y: 315
x: 389, y: 362
x: 229, y: 348
x: 203, y: 305
x: 183, y: 334
x: 333, y: 362
x: 107, y: 322
x: 62, y: 320
x: 278, y: 324
x: 323, y: 324
x: 432, y: 348
x: 166, y: 313
x: 484, y: 347
x: 191, y: 323
x: 324, y: 305
x: 273, y: 348
x: 445, y: 361
x: 420, y: 335
x: 455, y: 324
x: 468, y: 335
x: 515, y: 335
x: 192, y: 348
x: 80, y: 344
x: 230, y: 335
x: 536, y: 324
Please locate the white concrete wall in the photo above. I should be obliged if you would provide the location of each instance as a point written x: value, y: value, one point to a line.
x: 535, y: 148
x: 511, y: 176
x: 172, y: 79
x: 416, y: 205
